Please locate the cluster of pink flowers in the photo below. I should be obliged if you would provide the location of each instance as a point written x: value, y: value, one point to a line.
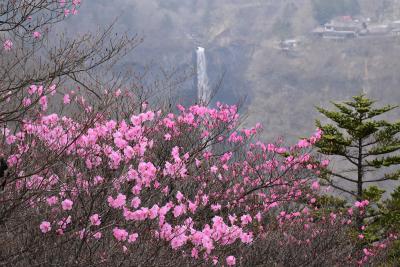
x: 73, y: 9
x: 361, y: 204
x: 237, y: 190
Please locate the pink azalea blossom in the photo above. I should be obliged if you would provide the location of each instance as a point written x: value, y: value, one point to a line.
x: 135, y: 203
x: 120, y: 234
x: 118, y: 202
x: 52, y: 200
x: 66, y: 99
x: 67, y: 204
x: 45, y: 227
x: 97, y: 235
x: 315, y: 185
x: 95, y: 219
x: 26, y: 102
x: 132, y: 237
x: 32, y: 89
x: 43, y: 102
x: 230, y: 260
x: 167, y: 136
x: 36, y: 34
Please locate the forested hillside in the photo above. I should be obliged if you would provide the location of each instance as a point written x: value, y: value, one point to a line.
x: 241, y: 39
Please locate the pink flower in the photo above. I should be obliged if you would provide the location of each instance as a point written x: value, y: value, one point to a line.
x: 82, y: 233
x: 52, y: 200
x: 66, y: 99
x: 129, y: 152
x: 36, y: 35
x: 361, y: 204
x: 246, y: 238
x: 215, y: 207
x: 214, y: 169
x: 40, y: 90
x: 367, y: 252
x: 32, y: 89
x: 59, y: 231
x: 118, y: 202
x: 325, y: 163
x: 179, y: 210
x: 98, y: 180
x: 115, y: 158
x: 215, y: 260
x: 135, y: 202
x: 11, y: 139
x: 192, y: 207
x: 67, y: 204
x: 120, y: 234
x: 95, y: 219
x: 167, y: 137
x: 315, y: 185
x: 195, y: 253
x: 179, y: 196
x: 132, y: 237
x: 97, y: 235
x: 120, y: 143
x: 43, y: 102
x: 230, y: 260
x: 350, y: 211
x: 45, y: 227
x: 7, y: 45
x: 26, y: 102
x: 246, y: 219
x: 52, y: 89
x: 303, y: 143
x: 198, y: 162
x: 179, y: 241
x: 153, y: 212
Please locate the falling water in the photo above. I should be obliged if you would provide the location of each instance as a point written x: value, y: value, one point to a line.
x: 203, y: 90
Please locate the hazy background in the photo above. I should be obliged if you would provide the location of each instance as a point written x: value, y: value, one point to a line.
x: 241, y: 37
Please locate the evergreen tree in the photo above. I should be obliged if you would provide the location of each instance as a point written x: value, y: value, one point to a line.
x: 387, y: 220
x: 366, y: 143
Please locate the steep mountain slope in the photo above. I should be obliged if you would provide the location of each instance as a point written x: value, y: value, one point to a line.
x: 241, y: 38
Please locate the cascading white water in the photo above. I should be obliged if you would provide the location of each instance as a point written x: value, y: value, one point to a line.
x: 203, y: 89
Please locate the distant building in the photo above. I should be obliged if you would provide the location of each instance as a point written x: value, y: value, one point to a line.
x: 339, y: 35
x: 348, y: 28
x: 288, y: 45
x: 341, y: 26
x: 395, y: 32
x: 378, y: 29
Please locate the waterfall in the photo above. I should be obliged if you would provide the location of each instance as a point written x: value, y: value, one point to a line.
x: 203, y: 90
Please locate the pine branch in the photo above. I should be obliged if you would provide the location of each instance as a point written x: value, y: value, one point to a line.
x: 341, y: 176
